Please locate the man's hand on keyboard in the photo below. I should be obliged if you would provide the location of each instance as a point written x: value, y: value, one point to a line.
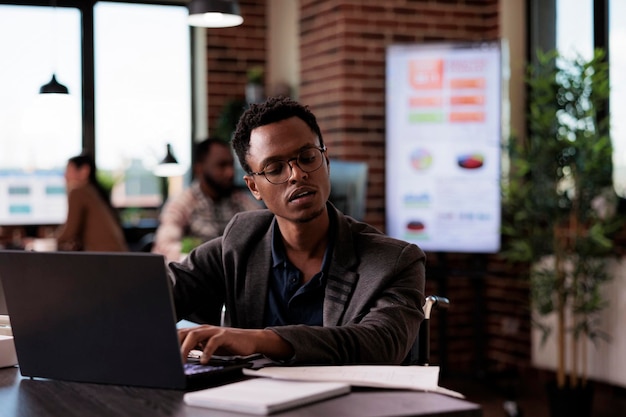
x: 215, y: 340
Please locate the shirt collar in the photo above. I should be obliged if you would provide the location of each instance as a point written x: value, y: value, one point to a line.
x: 278, y: 248
x: 279, y: 257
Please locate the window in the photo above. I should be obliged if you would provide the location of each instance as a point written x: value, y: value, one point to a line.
x: 142, y: 93
x: 36, y: 136
x: 617, y: 61
x: 574, y: 34
x: 142, y: 103
x: 574, y: 28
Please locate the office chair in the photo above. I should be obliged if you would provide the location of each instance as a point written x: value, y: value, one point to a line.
x: 420, y: 351
x: 145, y: 243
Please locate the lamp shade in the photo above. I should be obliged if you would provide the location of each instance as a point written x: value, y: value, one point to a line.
x: 53, y: 87
x: 169, y: 166
x: 214, y: 13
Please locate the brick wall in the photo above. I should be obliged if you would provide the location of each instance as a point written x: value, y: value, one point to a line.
x: 231, y: 52
x: 343, y: 45
x: 342, y: 53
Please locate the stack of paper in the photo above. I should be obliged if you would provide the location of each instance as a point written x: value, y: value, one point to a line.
x: 7, y: 352
x: 5, y: 325
x: 264, y: 396
x: 419, y: 378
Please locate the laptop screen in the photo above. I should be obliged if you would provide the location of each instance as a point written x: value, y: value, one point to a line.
x: 93, y: 317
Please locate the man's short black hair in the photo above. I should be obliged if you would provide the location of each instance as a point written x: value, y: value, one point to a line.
x: 274, y: 109
x: 202, y: 149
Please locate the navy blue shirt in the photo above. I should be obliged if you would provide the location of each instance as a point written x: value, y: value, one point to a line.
x: 288, y: 301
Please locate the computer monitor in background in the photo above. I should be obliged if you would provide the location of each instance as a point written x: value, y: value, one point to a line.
x: 348, y: 186
x: 34, y: 197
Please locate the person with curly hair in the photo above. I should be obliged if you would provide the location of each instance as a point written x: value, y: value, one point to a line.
x: 298, y: 282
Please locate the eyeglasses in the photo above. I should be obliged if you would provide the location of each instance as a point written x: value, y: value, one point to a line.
x: 308, y: 160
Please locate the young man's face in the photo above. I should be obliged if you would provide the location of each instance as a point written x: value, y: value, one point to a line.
x: 303, y: 196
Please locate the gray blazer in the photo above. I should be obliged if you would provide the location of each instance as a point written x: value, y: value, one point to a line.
x: 374, y: 290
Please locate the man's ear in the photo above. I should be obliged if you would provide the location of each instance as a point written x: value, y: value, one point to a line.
x: 251, y: 183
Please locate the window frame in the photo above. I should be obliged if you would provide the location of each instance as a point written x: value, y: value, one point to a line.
x: 542, y: 33
x: 86, y: 9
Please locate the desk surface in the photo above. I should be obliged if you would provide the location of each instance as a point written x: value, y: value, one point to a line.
x: 41, y: 398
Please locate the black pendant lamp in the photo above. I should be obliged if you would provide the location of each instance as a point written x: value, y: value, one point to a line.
x: 169, y: 166
x: 53, y: 87
x: 214, y: 13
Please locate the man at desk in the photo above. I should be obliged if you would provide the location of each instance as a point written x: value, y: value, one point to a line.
x: 202, y: 211
x: 301, y: 282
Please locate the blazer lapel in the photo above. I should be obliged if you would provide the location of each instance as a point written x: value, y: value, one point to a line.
x: 257, y: 281
x: 341, y: 276
x: 339, y: 287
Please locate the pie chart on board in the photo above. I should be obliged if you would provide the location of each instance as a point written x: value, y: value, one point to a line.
x: 471, y: 161
x: 415, y: 226
x: 421, y: 159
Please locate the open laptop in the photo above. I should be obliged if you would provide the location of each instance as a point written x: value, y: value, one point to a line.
x: 97, y: 317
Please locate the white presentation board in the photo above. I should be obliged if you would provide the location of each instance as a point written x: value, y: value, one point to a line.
x: 443, y: 144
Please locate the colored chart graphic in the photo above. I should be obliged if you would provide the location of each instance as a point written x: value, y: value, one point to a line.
x: 421, y: 159
x: 426, y: 74
x: 471, y: 161
x: 415, y: 229
x: 417, y: 200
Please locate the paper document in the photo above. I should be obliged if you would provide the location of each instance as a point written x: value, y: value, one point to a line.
x: 5, y: 325
x: 8, y: 357
x: 419, y: 378
x: 264, y: 396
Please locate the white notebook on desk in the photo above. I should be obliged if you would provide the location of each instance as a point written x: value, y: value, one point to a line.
x: 419, y: 378
x: 264, y: 395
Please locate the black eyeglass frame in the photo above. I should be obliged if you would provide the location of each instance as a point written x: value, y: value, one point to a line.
x: 322, y: 149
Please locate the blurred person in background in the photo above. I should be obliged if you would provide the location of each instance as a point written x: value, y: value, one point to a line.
x: 92, y: 222
x: 202, y: 211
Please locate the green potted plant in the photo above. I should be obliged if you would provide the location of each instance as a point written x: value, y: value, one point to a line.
x: 255, y: 91
x: 228, y: 118
x: 558, y: 203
